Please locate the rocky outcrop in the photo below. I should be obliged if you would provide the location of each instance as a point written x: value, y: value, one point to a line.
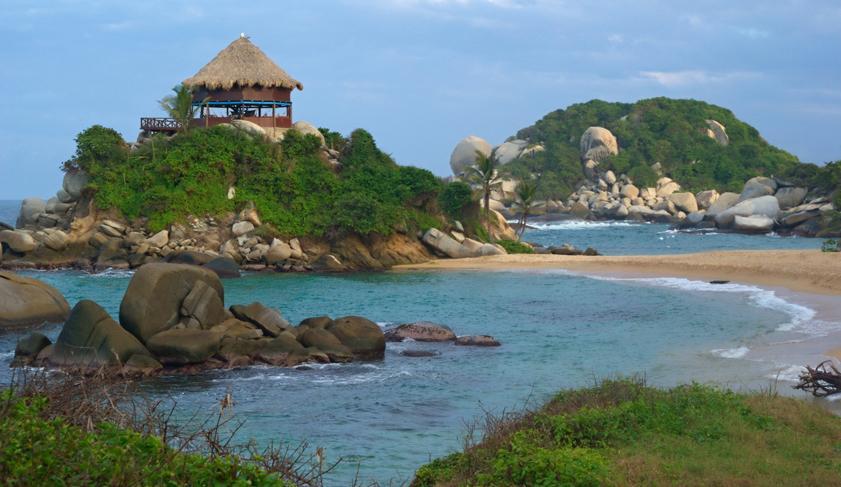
x: 91, y: 338
x: 766, y: 206
x: 447, y: 246
x: 178, y: 332
x: 758, y: 186
x: 790, y: 197
x: 509, y: 151
x: 597, y: 144
x: 716, y: 131
x: 29, y: 302
x: 154, y: 299
x: 464, y: 154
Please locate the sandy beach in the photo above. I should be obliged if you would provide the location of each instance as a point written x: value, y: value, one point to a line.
x: 806, y: 271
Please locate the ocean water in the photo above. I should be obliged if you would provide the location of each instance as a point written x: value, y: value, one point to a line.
x: 557, y: 329
x: 631, y: 238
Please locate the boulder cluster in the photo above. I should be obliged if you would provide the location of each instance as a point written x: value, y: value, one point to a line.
x: 764, y: 205
x: 173, y: 319
x: 456, y: 246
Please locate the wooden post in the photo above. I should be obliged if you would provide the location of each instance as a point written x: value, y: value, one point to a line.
x: 274, y: 120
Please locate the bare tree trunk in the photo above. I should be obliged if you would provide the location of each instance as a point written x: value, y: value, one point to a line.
x: 488, y: 212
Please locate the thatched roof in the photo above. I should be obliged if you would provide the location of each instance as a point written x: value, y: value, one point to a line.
x: 242, y: 64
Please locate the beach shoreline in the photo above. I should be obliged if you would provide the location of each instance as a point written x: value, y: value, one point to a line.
x: 809, y: 278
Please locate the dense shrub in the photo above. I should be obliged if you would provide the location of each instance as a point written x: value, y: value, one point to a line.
x: 515, y: 247
x: 38, y: 450
x: 455, y: 197
x: 296, y: 191
x: 662, y: 130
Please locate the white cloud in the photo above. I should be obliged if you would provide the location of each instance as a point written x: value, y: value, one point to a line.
x: 695, y: 77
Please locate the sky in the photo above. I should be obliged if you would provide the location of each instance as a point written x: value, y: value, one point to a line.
x: 418, y: 74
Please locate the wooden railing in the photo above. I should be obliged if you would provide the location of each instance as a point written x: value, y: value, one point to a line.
x: 153, y: 124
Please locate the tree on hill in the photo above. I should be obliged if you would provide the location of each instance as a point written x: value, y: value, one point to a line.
x: 671, y: 132
x: 179, y: 106
x: 484, y: 173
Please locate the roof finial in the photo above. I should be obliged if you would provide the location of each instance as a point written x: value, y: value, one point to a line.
x: 242, y: 35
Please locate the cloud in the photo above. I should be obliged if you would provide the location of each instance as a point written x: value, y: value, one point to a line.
x: 695, y: 77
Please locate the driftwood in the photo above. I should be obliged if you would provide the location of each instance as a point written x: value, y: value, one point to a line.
x: 823, y: 380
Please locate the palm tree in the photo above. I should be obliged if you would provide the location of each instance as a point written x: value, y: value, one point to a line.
x: 180, y: 106
x: 526, y: 192
x: 483, y: 172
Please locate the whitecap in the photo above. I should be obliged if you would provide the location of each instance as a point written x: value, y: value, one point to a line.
x: 738, y: 352
x: 801, y: 318
x: 787, y: 373
x: 579, y: 225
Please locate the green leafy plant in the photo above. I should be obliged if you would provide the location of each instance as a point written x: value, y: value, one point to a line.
x: 831, y: 245
x: 515, y: 247
x: 454, y: 198
x: 179, y: 106
x: 483, y: 172
x: 526, y: 192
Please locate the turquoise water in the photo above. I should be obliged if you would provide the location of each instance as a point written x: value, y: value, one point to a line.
x: 558, y: 330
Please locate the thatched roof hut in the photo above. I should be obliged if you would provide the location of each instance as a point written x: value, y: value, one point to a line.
x: 241, y: 64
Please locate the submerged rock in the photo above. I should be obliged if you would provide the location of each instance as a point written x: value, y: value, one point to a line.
x: 422, y: 331
x: 477, y: 341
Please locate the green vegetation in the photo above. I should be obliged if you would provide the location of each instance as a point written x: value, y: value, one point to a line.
x: 295, y: 189
x: 515, y: 247
x: 662, y: 130
x: 623, y: 433
x: 455, y: 197
x: 831, y: 245
x: 526, y: 192
x: 36, y: 449
x: 179, y: 106
x: 483, y: 172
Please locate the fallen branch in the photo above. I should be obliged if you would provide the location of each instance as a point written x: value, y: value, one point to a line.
x: 822, y: 381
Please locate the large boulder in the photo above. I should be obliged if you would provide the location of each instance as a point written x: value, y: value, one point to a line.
x: 327, y: 343
x: 790, y: 197
x: 422, y: 331
x: 716, y: 131
x: 307, y: 128
x: 91, y: 338
x: 767, y: 206
x: 18, y: 240
x: 74, y: 182
x: 753, y: 224
x: 443, y: 243
x: 279, y: 251
x: 152, y: 302
x: 250, y: 128
x: 758, y: 186
x: 509, y: 151
x: 202, y: 307
x: 267, y: 319
x: 184, y: 346
x: 28, y: 347
x: 629, y: 191
x: 598, y: 143
x: 667, y: 188
x: 30, y: 209
x: 224, y: 267
x: 25, y: 301
x: 362, y: 336
x: 722, y: 203
x: 464, y: 154
x: 685, y: 202
x: 705, y: 199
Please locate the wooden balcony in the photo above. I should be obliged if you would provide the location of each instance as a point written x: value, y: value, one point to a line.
x: 159, y: 124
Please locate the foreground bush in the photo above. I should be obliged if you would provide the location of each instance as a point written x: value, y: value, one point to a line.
x: 623, y: 433
x: 35, y: 450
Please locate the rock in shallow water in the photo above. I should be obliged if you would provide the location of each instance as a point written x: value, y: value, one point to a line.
x: 477, y: 341
x: 422, y: 331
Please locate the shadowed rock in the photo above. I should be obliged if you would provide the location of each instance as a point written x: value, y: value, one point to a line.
x: 25, y: 301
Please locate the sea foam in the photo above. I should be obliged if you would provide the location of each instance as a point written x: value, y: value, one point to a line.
x: 738, y: 352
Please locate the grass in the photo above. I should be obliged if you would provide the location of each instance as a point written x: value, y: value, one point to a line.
x: 624, y: 433
x: 515, y: 247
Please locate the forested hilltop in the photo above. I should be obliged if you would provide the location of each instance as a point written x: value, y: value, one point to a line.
x: 676, y: 134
